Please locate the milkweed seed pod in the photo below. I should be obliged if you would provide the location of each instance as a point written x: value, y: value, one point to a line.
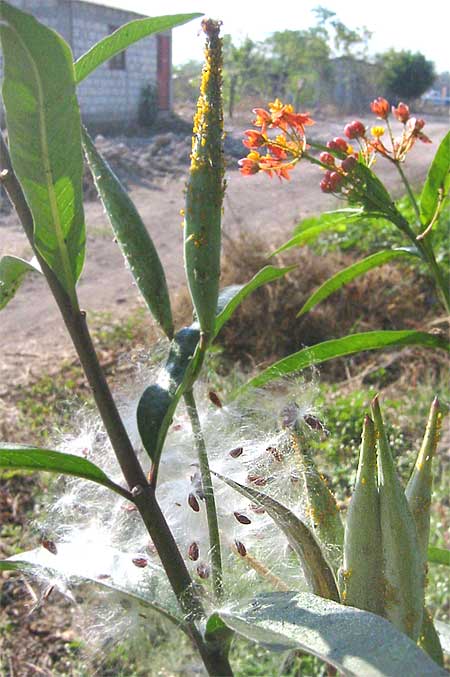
x: 361, y: 579
x: 404, y: 577
x: 205, y: 187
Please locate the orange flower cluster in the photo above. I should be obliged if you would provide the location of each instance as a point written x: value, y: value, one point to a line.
x: 282, y: 151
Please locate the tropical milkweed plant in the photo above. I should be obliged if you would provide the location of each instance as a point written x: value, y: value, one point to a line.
x: 176, y: 511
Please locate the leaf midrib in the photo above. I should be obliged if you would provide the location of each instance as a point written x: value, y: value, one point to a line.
x: 43, y: 140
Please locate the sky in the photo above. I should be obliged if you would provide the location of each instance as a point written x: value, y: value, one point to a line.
x: 413, y: 26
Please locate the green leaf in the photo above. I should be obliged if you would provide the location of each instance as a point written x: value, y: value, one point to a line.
x: 159, y: 401
x: 444, y: 635
x: 231, y: 297
x: 12, y: 272
x: 349, y: 345
x: 316, y: 569
x: 437, y: 183
x: 43, y: 122
x: 106, y: 567
x: 403, y: 566
x: 35, y: 458
x: 361, y: 579
x: 429, y: 639
x: 132, y: 236
x: 356, y: 642
x: 350, y: 273
x: 438, y: 555
x: 123, y: 37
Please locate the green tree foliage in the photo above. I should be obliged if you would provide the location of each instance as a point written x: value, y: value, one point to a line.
x: 405, y: 75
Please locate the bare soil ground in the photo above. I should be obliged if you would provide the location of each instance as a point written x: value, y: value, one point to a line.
x: 31, y: 331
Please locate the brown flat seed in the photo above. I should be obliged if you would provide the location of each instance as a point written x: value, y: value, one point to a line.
x: 243, y: 519
x: 235, y: 453
x: 258, y: 509
x: 140, y: 562
x: 203, y: 571
x: 193, y: 503
x: 50, y: 546
x: 314, y: 423
x: 215, y: 399
x: 103, y: 577
x: 257, y: 480
x: 240, y: 547
x: 193, y: 551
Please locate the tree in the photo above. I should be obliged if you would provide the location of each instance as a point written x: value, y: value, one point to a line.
x: 405, y: 75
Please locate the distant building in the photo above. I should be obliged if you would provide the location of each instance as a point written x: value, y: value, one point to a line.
x: 110, y: 95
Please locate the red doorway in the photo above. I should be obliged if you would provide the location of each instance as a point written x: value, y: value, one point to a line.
x: 164, y: 63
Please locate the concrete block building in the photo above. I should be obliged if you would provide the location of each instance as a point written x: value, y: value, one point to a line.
x: 110, y: 95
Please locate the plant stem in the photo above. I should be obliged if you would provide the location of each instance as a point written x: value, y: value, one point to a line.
x: 412, y: 199
x: 142, y: 495
x: 208, y: 489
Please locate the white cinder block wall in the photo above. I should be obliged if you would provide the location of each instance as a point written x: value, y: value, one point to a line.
x: 108, y: 95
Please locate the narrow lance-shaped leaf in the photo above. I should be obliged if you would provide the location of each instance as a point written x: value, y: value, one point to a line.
x: 231, y: 297
x: 23, y: 457
x: 43, y: 122
x: 438, y: 555
x: 350, y: 273
x: 429, y: 639
x: 321, y: 504
x: 103, y: 566
x: 12, y: 273
x: 132, y: 237
x: 357, y: 643
x: 361, y: 579
x: 205, y: 188
x: 437, y: 183
x: 349, y: 345
x: 159, y: 401
x: 316, y: 569
x: 403, y: 567
x: 123, y: 37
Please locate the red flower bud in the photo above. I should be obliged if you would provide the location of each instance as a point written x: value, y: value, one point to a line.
x: 349, y: 164
x: 338, y: 143
x: 380, y: 107
x: 335, y: 180
x: 327, y: 159
x: 354, y: 130
x: 401, y: 112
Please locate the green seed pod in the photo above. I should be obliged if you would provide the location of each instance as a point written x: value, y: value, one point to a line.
x: 321, y: 503
x: 403, y: 571
x: 205, y: 187
x: 418, y: 494
x: 429, y: 639
x: 418, y: 490
x: 361, y: 580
